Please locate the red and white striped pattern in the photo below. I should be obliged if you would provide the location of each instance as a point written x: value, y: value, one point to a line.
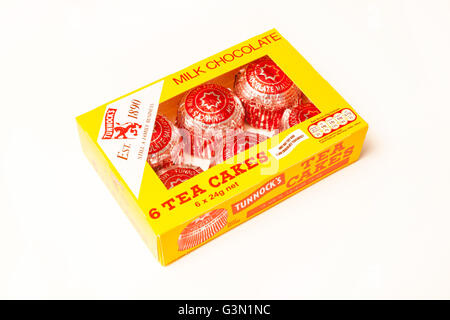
x: 202, y: 229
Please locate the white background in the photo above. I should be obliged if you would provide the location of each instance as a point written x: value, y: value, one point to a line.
x: 377, y: 229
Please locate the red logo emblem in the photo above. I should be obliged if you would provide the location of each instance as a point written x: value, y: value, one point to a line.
x: 269, y: 73
x: 307, y: 111
x: 116, y: 130
x: 210, y: 104
x: 176, y: 175
x: 211, y: 100
x: 266, y: 77
x: 162, y: 133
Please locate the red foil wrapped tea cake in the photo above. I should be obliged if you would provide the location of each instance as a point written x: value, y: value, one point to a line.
x: 174, y: 175
x: 166, y: 144
x: 266, y: 92
x: 209, y: 112
x: 294, y: 116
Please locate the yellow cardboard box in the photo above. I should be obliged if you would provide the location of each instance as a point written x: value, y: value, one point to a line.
x: 268, y: 173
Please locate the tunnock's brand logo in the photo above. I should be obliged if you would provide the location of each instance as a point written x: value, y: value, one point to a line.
x: 116, y: 130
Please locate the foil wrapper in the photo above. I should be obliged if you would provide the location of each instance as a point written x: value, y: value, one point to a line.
x: 294, y: 116
x: 234, y: 144
x: 207, y: 113
x: 202, y: 229
x: 166, y: 146
x: 266, y: 92
x: 174, y: 175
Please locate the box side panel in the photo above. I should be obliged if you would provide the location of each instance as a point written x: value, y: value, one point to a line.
x: 116, y: 186
x: 275, y: 188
